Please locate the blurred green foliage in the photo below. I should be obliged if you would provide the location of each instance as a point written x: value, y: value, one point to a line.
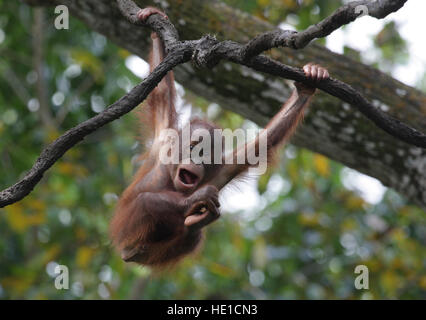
x: 302, y: 241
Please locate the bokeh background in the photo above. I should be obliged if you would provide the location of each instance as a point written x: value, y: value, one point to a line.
x: 298, y: 232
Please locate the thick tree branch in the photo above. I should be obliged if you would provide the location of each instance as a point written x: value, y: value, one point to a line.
x: 205, y: 52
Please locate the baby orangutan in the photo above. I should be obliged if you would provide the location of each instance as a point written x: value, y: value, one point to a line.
x: 160, y: 216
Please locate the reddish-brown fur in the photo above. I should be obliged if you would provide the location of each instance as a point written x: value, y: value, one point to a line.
x: 160, y: 216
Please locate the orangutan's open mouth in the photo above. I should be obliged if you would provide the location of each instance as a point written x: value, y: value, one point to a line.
x: 187, y: 177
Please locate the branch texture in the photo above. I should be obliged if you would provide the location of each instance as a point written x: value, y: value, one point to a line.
x: 344, y: 15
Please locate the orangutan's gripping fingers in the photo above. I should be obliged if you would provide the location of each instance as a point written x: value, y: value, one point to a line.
x: 145, y: 13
